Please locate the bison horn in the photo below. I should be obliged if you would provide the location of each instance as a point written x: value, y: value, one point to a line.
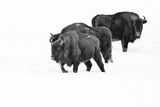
x: 61, y: 41
x: 144, y: 18
x: 58, y: 42
x: 51, y: 34
x: 55, y: 43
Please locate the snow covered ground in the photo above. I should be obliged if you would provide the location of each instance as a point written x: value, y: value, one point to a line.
x: 29, y: 78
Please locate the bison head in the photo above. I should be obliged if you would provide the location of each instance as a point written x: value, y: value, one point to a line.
x: 56, y: 47
x: 138, y: 26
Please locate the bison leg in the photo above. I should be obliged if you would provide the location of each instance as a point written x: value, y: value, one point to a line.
x: 110, y: 55
x: 62, y: 67
x: 98, y: 59
x: 111, y: 60
x: 105, y: 55
x: 125, y: 38
x: 75, y: 67
x: 89, y: 65
x: 124, y: 45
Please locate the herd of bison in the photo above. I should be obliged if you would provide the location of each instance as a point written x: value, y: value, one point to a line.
x: 79, y: 42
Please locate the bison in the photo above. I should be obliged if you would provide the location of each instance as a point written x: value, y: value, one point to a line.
x: 55, y: 53
x: 125, y: 26
x: 102, y: 33
x: 74, y: 47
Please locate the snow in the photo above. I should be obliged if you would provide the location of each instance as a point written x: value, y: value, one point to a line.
x: 29, y: 78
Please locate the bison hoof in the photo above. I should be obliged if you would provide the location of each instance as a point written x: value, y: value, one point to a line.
x: 75, y: 71
x: 111, y: 60
x: 103, y: 71
x: 65, y: 71
x: 88, y: 69
x: 106, y: 61
x: 125, y: 50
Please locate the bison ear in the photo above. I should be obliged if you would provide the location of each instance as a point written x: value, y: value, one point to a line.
x: 144, y: 21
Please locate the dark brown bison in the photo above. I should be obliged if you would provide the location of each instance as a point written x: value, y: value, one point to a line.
x: 74, y: 47
x: 102, y: 33
x: 56, y: 51
x: 125, y: 26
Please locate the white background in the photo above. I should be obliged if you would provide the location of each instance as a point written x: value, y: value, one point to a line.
x: 29, y: 78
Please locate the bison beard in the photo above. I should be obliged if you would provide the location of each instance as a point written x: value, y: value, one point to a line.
x: 74, y: 47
